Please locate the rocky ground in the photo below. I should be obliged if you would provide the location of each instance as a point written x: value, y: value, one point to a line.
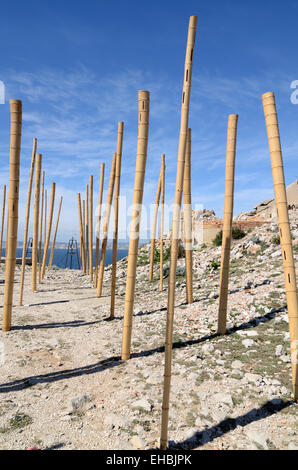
x: 63, y: 384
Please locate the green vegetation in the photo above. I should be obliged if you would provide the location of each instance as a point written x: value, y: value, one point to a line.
x: 275, y: 240
x: 237, y: 234
x: 20, y: 421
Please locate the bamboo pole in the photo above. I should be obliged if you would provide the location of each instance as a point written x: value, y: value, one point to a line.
x: 284, y: 229
x: 162, y: 202
x: 27, y: 222
x: 55, y: 235
x: 36, y: 220
x: 45, y: 217
x: 154, y: 223
x: 84, y: 232
x: 82, y: 248
x: 87, y: 228
x: 106, y: 227
x: 227, y: 225
x: 116, y: 215
x: 40, y: 226
x: 143, y: 127
x: 2, y: 219
x: 187, y: 209
x: 13, y: 202
x: 188, y: 219
x: 102, y: 172
x: 49, y: 228
x: 90, y: 234
x: 175, y: 229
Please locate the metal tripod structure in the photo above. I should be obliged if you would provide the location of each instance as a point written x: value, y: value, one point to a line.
x: 72, y: 250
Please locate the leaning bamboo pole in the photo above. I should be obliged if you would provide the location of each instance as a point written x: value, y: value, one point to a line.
x: 36, y: 220
x: 84, y: 232
x: 90, y: 228
x: 97, y: 230
x: 49, y: 228
x: 227, y: 224
x: 154, y: 223
x: 40, y: 226
x: 82, y: 248
x: 13, y: 202
x: 2, y: 219
x: 175, y: 229
x: 143, y: 127
x: 162, y: 202
x: 87, y: 228
x: 284, y: 229
x: 116, y: 215
x: 27, y: 217
x: 187, y: 212
x: 55, y: 235
x: 106, y: 227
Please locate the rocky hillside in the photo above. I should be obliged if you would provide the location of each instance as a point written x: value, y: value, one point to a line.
x: 63, y: 384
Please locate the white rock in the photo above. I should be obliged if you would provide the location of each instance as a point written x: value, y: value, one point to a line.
x: 279, y: 350
x: 143, y: 403
x: 248, y: 342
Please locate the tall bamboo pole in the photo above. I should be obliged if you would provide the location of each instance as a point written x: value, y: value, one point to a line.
x: 2, y: 219
x: 45, y: 217
x: 116, y: 215
x: 162, y: 202
x: 13, y: 202
x: 36, y: 220
x: 143, y: 127
x: 106, y: 227
x: 87, y: 228
x: 90, y: 234
x: 40, y: 226
x: 49, y: 228
x: 188, y: 219
x: 101, y: 181
x: 154, y: 223
x: 55, y: 235
x: 82, y: 248
x: 284, y: 229
x: 175, y: 229
x: 227, y: 225
x: 84, y: 232
x: 27, y: 222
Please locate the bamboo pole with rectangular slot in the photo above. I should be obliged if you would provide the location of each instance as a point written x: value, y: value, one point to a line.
x: 55, y: 235
x: 106, y: 227
x: 97, y: 230
x: 143, y: 127
x: 40, y: 226
x: 84, y: 232
x: 90, y: 227
x: 284, y: 229
x: 36, y: 220
x: 227, y: 224
x: 82, y: 248
x: 2, y: 219
x: 162, y: 202
x: 87, y: 229
x: 154, y: 223
x: 187, y: 212
x: 175, y: 229
x: 116, y: 216
x: 12, y: 210
x: 27, y: 217
x: 49, y: 228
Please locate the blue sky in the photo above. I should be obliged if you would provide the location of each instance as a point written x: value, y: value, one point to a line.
x: 77, y: 67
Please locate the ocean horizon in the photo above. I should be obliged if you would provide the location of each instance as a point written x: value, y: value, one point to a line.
x: 61, y: 260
